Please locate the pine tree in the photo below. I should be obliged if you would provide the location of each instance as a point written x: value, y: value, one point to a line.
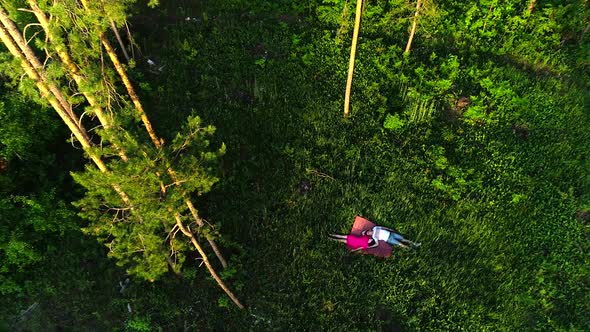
x: 413, y: 30
x: 136, y: 202
x: 106, y: 121
x: 357, y: 26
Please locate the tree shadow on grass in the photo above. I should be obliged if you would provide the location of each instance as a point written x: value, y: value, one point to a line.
x: 388, y: 321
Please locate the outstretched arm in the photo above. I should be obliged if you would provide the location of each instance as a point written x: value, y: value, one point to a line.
x: 388, y: 229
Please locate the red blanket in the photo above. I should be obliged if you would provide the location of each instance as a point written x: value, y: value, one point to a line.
x: 362, y: 224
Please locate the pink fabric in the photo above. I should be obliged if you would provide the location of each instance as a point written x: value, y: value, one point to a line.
x: 361, y: 224
x: 355, y: 242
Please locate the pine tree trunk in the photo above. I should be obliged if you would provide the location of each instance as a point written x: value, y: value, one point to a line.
x: 73, y: 69
x: 46, y: 92
x: 42, y: 86
x: 32, y: 58
x: 532, y: 6
x: 134, y: 98
x: 409, y: 44
x: 355, y: 35
x: 214, y: 274
x: 200, y: 223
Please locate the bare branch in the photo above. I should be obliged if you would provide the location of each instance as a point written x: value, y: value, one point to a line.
x: 25, y: 32
x: 172, y: 232
x: 318, y: 173
x: 24, y: 10
x: 175, y: 183
x: 118, y: 36
x: 131, y: 41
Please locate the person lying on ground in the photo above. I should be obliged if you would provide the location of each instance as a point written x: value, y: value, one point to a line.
x: 355, y: 242
x: 393, y: 238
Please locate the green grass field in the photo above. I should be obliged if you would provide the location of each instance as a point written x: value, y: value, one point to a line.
x: 492, y: 200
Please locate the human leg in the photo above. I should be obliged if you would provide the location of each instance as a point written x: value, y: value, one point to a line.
x: 405, y: 242
x: 338, y: 237
x: 398, y: 237
x: 412, y: 244
x: 395, y: 239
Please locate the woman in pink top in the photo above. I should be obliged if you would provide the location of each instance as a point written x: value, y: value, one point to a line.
x: 355, y: 242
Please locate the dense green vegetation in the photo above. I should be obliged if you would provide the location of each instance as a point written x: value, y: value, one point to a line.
x: 475, y: 144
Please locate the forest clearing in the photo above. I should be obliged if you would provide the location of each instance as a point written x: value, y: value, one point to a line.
x: 180, y: 165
